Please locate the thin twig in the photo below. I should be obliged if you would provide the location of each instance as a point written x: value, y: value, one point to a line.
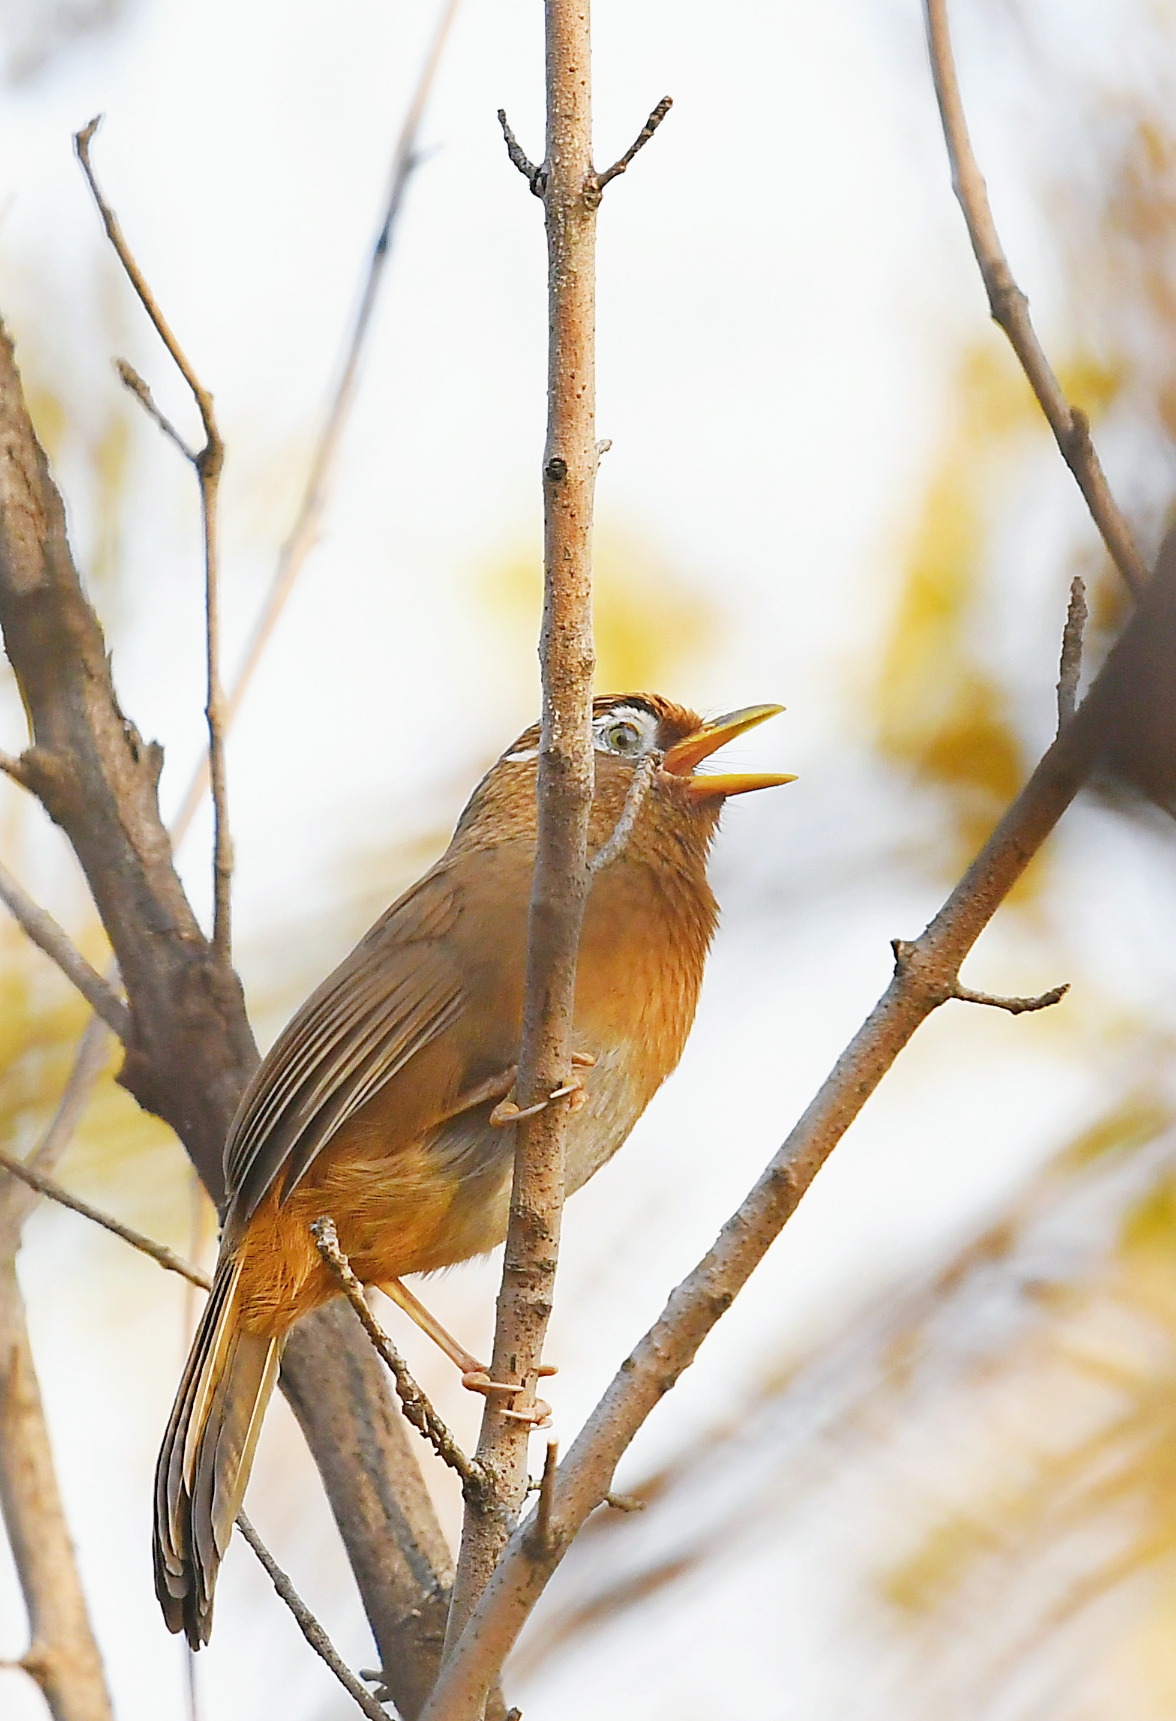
x: 135, y: 276
x: 1010, y: 309
x: 17, y: 1199
x: 1014, y: 1006
x: 643, y: 136
x: 952, y: 987
x: 209, y: 463
x: 417, y: 1407
x: 309, y: 1626
x: 145, y: 1245
x: 62, y: 1656
x: 308, y: 523
x: 1070, y: 667
x: 623, y: 1502
x: 534, y: 176
x: 539, y: 1530
x: 52, y: 939
x: 132, y: 381
x: 638, y: 789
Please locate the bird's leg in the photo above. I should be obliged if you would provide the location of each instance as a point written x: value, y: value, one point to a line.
x: 428, y: 1323
x: 475, y: 1376
x: 507, y: 1112
x: 493, y: 1088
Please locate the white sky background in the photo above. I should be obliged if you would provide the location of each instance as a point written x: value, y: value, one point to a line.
x: 784, y: 285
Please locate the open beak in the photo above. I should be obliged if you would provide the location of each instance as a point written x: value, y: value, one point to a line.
x: 681, y: 758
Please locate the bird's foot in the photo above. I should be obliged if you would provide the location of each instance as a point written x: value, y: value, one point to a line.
x: 508, y: 1112
x: 538, y: 1414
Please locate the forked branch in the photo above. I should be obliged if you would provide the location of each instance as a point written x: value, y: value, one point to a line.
x: 208, y: 463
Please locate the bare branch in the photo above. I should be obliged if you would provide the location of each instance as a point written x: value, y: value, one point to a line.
x: 1014, y: 1006
x: 135, y: 276
x: 535, y: 177
x: 209, y: 462
x: 564, y: 788
x: 62, y: 1657
x: 146, y: 1245
x: 309, y: 1626
x: 643, y: 136
x: 49, y: 937
x: 134, y: 383
x: 1070, y: 666
x: 905, y: 953
x: 623, y: 1502
x: 1010, y: 309
x: 417, y: 1407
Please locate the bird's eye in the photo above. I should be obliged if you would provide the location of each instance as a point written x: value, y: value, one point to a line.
x: 623, y: 737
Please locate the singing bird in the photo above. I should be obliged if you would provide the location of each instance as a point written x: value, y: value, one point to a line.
x: 386, y: 1102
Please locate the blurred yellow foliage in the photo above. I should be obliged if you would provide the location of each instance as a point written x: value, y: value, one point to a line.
x: 120, y: 1153
x: 650, y: 623
x: 941, y: 711
x: 1066, y: 1489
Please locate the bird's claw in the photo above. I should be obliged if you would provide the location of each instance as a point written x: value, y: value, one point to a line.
x: 538, y: 1413
x: 507, y: 1111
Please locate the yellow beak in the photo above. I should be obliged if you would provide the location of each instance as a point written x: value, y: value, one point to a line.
x: 681, y: 758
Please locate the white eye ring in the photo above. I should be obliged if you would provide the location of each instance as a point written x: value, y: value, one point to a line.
x: 627, y: 732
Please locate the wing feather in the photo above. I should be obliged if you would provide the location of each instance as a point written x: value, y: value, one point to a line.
x: 400, y: 987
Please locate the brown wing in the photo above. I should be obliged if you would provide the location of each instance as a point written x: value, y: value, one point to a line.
x: 399, y: 988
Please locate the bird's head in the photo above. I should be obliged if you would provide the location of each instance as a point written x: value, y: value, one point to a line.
x: 647, y: 754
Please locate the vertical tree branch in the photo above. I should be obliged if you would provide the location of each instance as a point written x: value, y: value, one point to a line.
x: 62, y: 1656
x: 565, y: 783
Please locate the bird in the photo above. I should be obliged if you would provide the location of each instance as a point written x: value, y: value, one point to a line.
x: 386, y: 1102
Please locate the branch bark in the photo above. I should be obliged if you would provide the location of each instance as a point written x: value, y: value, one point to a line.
x: 564, y: 792
x: 62, y: 1656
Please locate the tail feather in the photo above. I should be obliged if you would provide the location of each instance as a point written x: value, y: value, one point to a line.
x: 206, y: 1456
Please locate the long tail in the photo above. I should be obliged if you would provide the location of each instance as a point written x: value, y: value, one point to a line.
x: 206, y: 1456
